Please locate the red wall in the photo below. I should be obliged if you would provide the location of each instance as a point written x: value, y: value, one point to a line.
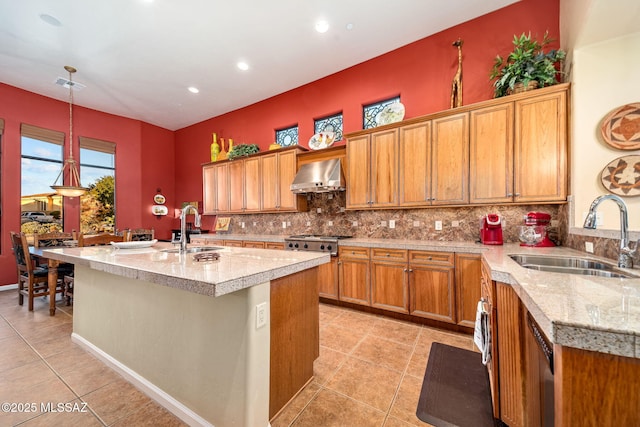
x: 420, y: 72
x: 151, y: 158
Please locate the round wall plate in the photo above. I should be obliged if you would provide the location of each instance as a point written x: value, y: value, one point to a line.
x: 622, y: 176
x: 621, y: 128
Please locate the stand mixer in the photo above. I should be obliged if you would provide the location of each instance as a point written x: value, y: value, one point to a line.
x: 534, y: 232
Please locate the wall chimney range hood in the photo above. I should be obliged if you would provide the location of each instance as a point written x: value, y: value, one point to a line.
x: 319, y: 177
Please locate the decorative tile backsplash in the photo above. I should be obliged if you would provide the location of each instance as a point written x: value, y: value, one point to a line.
x: 458, y: 224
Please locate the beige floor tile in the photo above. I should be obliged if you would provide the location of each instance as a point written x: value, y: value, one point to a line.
x: 54, y: 345
x: 357, y: 321
x: 26, y: 377
x: 327, y: 364
x: 402, y: 332
x: 328, y: 314
x: 116, y: 401
x: 151, y: 415
x: 340, y: 338
x: 74, y: 413
x: 383, y: 352
x: 406, y: 403
x: 366, y: 382
x: 290, y: 412
x: 15, y: 352
x: 394, y: 422
x: 428, y: 335
x: 331, y: 409
x: 47, y: 332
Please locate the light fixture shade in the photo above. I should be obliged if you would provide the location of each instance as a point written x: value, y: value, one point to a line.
x: 68, y: 191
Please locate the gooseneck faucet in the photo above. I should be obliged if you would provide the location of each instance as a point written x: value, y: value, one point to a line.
x: 625, y: 256
x: 183, y: 225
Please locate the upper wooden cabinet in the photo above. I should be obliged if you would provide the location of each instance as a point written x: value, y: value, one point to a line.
x: 372, y: 165
x: 258, y: 183
x: 414, y: 182
x: 450, y: 171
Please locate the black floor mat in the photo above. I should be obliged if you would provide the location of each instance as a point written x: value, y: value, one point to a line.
x: 455, y: 391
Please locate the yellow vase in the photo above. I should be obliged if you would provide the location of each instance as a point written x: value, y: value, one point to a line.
x: 215, y: 148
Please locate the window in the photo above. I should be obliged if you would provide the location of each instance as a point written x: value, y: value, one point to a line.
x: 371, y: 111
x: 97, y: 172
x: 330, y: 124
x: 287, y: 137
x: 41, y: 163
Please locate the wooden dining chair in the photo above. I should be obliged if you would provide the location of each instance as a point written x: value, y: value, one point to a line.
x: 53, y: 239
x: 32, y: 278
x: 100, y: 239
x: 141, y: 234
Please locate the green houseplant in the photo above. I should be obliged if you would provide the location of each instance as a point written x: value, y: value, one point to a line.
x: 527, y: 63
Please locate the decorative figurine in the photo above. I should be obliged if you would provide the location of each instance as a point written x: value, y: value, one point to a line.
x: 456, y: 86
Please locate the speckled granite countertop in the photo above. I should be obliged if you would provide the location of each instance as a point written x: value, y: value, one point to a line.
x: 587, y: 312
x: 237, y: 268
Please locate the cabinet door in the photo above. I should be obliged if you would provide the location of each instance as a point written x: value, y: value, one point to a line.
x: 222, y: 188
x: 541, y: 148
x: 354, y: 281
x: 328, y: 279
x: 252, y: 184
x: 414, y: 168
x: 358, y: 172
x: 432, y: 293
x: 488, y: 294
x: 450, y: 162
x: 384, y: 168
x: 269, y: 182
x: 287, y: 200
x: 234, y: 243
x: 208, y: 190
x: 491, y: 155
x: 236, y: 186
x: 250, y: 244
x: 468, y: 277
x: 389, y: 286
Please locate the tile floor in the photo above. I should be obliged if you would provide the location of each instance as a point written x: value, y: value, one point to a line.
x: 369, y: 373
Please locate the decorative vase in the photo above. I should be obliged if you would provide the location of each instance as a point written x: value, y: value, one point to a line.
x: 223, y: 152
x: 230, y: 145
x: 215, y: 148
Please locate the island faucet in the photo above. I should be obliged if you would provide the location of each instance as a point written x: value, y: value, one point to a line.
x: 625, y: 256
x: 183, y: 225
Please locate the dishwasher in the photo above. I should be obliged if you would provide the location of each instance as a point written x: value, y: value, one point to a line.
x: 544, y: 382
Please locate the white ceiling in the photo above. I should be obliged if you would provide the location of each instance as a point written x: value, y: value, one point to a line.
x: 137, y: 57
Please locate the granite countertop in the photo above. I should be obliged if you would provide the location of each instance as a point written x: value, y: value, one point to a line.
x: 587, y: 312
x: 237, y: 268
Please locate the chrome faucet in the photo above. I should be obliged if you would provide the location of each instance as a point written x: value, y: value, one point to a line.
x: 625, y: 256
x: 183, y: 225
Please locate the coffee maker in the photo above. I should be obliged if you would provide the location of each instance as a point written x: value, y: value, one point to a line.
x: 534, y: 232
x: 491, y: 229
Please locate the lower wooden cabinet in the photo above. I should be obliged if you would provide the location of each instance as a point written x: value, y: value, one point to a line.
x: 274, y: 245
x: 468, y: 277
x: 328, y: 279
x: 431, y: 285
x: 251, y: 244
x: 235, y: 243
x: 354, y: 280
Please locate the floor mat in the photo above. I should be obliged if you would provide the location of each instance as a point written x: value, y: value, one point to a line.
x: 455, y: 391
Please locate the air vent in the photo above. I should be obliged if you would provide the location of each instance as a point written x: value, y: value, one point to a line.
x: 66, y: 83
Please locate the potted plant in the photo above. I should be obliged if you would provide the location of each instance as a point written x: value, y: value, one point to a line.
x: 527, y: 67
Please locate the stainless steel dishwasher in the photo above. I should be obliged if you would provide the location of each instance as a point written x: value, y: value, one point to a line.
x: 545, y: 372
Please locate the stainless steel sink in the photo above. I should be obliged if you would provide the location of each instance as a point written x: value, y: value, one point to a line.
x: 570, y: 265
x: 194, y: 249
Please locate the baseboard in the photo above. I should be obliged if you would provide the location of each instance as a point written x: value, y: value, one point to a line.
x: 147, y: 387
x: 8, y: 287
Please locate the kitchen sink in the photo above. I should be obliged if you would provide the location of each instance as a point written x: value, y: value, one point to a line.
x: 194, y: 249
x: 570, y: 265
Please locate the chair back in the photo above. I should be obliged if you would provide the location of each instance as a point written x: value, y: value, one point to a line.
x: 99, y: 239
x: 141, y: 234
x: 21, y: 252
x: 53, y: 239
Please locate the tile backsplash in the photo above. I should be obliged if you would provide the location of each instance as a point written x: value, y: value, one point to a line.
x: 327, y: 215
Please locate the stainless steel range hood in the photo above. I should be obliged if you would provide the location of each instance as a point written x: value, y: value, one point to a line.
x: 319, y: 177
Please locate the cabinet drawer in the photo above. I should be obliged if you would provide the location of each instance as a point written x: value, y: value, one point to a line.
x: 236, y: 243
x: 437, y: 258
x: 353, y: 252
x: 383, y: 254
x: 250, y: 244
x: 273, y: 245
x: 198, y: 241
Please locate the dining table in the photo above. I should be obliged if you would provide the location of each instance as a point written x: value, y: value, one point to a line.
x: 52, y: 276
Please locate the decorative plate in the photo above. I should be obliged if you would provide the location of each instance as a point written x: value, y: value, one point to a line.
x: 321, y: 140
x: 159, y: 210
x: 622, y: 176
x: 621, y: 128
x: 159, y: 199
x: 135, y: 245
x: 392, y: 113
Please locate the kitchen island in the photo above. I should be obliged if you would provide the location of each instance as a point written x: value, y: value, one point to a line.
x: 198, y: 336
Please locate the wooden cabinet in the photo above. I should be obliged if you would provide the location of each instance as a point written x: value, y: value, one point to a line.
x: 234, y: 243
x: 431, y: 285
x: 278, y: 171
x: 252, y: 186
x: 236, y: 186
x: 372, y: 165
x: 468, y: 278
x: 540, y: 148
x: 450, y: 162
x: 274, y: 245
x: 215, y: 191
x: 354, y: 280
x: 414, y: 181
x: 328, y: 279
x: 488, y: 291
x: 251, y: 244
x: 491, y: 154
x: 389, y: 280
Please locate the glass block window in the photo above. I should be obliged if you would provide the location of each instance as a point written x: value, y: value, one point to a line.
x: 287, y: 137
x: 330, y: 124
x: 369, y: 112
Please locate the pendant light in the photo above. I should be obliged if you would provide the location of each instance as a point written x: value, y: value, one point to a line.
x: 74, y: 188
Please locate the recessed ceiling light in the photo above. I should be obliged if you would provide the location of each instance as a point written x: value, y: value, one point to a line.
x: 322, y: 26
x: 349, y: 26
x: 193, y: 89
x: 50, y: 20
x: 243, y: 66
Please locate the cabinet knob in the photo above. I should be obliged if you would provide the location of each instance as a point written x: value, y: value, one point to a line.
x: 353, y: 252
x: 517, y: 194
x: 388, y: 254
x: 509, y: 194
x: 429, y: 258
x: 411, y: 270
x: 405, y: 270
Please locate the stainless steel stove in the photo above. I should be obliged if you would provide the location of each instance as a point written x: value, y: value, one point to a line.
x: 313, y: 243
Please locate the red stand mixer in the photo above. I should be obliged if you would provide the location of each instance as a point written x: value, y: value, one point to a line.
x: 491, y: 229
x: 534, y: 231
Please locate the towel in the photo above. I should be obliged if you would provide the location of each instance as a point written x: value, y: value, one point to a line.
x: 482, y: 333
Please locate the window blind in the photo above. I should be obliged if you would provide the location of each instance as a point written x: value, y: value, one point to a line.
x: 97, y: 145
x: 42, y: 134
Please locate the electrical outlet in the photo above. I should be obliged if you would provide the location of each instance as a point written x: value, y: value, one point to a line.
x: 330, y: 196
x: 284, y: 224
x: 588, y: 246
x: 261, y: 315
x: 319, y: 210
x: 308, y: 223
x: 342, y: 210
x: 242, y: 224
x: 255, y: 223
x: 599, y: 219
x: 383, y: 223
x: 438, y: 225
x: 288, y: 223
x: 330, y: 223
x: 455, y: 223
x: 416, y: 223
x: 354, y: 224
x: 392, y: 223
